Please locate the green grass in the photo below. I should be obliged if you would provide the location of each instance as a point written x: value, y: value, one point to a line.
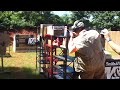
x: 21, y: 65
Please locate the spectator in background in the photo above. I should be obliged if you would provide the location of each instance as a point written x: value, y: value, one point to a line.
x: 112, y: 44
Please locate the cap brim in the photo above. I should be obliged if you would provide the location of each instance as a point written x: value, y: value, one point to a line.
x: 73, y: 27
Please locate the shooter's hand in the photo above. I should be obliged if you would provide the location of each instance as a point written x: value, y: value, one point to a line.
x: 106, y: 34
x: 73, y: 34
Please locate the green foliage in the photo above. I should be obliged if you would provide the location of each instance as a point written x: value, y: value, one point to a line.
x: 66, y: 19
x: 106, y: 19
x: 101, y: 19
x: 81, y: 15
x: 12, y: 19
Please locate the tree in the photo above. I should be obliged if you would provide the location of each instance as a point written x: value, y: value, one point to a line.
x: 81, y: 15
x: 100, y: 20
x: 66, y: 19
x: 106, y: 19
x: 13, y: 19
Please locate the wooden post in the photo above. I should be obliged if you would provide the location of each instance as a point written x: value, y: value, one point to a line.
x: 4, y: 42
x: 2, y: 68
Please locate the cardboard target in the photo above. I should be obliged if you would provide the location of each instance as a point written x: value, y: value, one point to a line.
x: 2, y: 50
x: 4, y: 42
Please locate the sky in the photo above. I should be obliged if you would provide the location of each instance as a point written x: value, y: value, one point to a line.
x: 60, y: 13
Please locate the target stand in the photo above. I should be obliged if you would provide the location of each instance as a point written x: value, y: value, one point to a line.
x: 2, y: 53
x: 2, y: 71
x: 4, y: 41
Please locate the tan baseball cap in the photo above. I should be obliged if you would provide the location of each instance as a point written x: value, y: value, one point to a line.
x: 77, y: 24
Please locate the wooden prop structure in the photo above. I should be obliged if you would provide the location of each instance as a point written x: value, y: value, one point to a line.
x: 24, y: 43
